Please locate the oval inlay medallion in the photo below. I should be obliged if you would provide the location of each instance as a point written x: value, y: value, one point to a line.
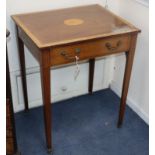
x: 73, y: 22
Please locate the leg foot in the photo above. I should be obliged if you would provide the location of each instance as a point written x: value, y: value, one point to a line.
x: 119, y: 125
x: 26, y: 110
x: 49, y: 151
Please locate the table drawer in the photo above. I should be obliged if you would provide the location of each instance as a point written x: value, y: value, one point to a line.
x: 90, y: 49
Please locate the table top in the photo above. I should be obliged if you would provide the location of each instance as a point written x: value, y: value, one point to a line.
x: 57, y: 27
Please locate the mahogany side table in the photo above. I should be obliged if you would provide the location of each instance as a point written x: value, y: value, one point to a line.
x: 55, y: 37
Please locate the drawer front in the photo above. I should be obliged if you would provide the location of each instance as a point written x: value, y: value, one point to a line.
x: 90, y: 49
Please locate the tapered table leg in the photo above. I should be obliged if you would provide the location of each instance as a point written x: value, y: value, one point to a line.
x: 127, y: 75
x: 45, y: 81
x: 91, y: 75
x: 23, y: 72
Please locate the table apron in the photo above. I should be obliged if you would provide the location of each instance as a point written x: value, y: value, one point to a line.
x: 89, y: 49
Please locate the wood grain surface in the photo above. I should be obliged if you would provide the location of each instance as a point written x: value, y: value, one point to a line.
x: 47, y: 28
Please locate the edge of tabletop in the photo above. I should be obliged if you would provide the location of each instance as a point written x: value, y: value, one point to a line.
x: 21, y: 25
x: 63, y: 42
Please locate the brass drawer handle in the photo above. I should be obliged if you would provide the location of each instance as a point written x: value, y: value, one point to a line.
x: 112, y: 48
x: 68, y: 57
